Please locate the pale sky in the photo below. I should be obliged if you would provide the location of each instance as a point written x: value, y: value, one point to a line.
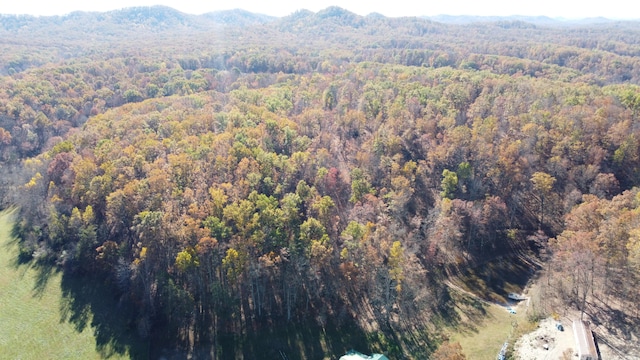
x: 570, y: 9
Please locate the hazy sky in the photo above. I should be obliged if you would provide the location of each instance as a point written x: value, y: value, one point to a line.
x: 572, y: 9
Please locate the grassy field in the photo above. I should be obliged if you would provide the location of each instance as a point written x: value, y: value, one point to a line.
x: 484, y: 323
x: 483, y: 340
x: 32, y: 311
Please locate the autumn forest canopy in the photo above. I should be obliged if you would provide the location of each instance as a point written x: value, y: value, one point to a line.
x: 231, y: 173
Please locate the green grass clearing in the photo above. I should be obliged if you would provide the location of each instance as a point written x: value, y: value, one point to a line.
x: 483, y: 327
x: 481, y: 339
x: 32, y: 308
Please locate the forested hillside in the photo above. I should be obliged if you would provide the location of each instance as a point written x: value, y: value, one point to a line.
x: 230, y: 173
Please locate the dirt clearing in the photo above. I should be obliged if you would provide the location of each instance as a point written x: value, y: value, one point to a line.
x: 546, y: 342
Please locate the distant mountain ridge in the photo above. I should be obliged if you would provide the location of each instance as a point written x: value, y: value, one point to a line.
x: 238, y: 17
x: 537, y: 20
x: 153, y: 17
x: 159, y: 17
x: 325, y: 21
x: 468, y: 19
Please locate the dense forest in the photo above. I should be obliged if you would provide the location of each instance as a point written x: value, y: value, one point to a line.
x: 231, y: 173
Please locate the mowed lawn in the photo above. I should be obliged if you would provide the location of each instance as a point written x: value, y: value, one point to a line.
x: 31, y: 324
x: 486, y: 339
x: 482, y: 333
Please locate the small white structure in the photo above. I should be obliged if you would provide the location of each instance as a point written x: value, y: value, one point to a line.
x: 584, y: 341
x: 514, y: 296
x: 354, y: 355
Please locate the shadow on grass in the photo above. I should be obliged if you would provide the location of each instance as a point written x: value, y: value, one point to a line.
x: 463, y: 313
x: 23, y: 261
x: 43, y: 275
x: 298, y: 341
x: 492, y: 281
x: 88, y: 302
x: 85, y: 302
